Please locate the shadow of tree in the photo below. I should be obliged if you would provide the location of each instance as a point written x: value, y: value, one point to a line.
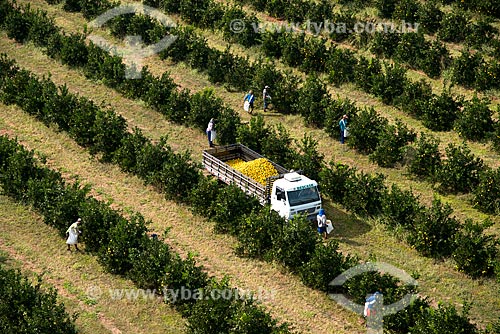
x: 3, y: 257
x: 346, y: 225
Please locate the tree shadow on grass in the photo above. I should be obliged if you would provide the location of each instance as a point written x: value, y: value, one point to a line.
x: 346, y: 226
x: 4, y: 257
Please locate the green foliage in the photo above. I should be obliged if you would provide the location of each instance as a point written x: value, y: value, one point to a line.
x: 493, y: 328
x: 184, y: 274
x: 178, y: 176
x: 435, y: 58
x: 334, y: 179
x: 228, y: 120
x: 407, y: 10
x: 440, y: 112
x: 365, y: 129
x: 128, y: 155
x: 292, y: 46
x: 384, y: 44
x: 410, y: 47
x: 453, y: 26
x: 98, y: 218
x: 434, y: 231
x: 17, y: 26
x: 430, y: 16
x: 126, y: 237
x: 475, y: 252
x: 334, y: 112
x: 480, y: 32
x: 272, y: 142
x: 42, y: 27
x: 224, y: 67
x: 390, y: 85
x: 286, y: 92
x: 414, y: 98
x: 435, y: 319
x: 201, y: 13
x: 124, y: 248
x: 230, y: 315
x: 93, y: 8
x: 403, y: 320
x: 496, y: 135
x: 25, y: 307
x: 364, y: 194
x: 230, y: 206
x: 257, y: 232
x: 178, y: 107
x: 271, y: 43
x: 203, y: 196
x: 72, y: 5
x: 65, y: 206
x: 391, y: 144
x: 149, y: 263
x: 5, y: 8
x: 315, y: 55
x: 386, y: 7
x: 312, y: 101
x: 253, y: 134
x: 204, y: 105
x: 365, y: 72
x: 460, y: 172
x: 277, y: 146
x: 360, y: 286
x: 150, y: 159
x: 175, y: 174
x: 474, y: 121
x: 109, y: 128
x: 487, y: 75
x: 340, y: 65
x: 309, y: 160
x: 400, y: 208
x: 465, y: 68
x: 325, y: 264
x: 425, y: 159
x: 296, y: 243
x: 18, y: 169
x: 487, y: 192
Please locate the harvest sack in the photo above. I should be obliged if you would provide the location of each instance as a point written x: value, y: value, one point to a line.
x: 213, y: 134
x: 246, y: 105
x: 346, y: 133
x: 329, y: 226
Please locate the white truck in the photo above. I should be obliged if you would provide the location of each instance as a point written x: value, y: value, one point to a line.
x: 288, y: 193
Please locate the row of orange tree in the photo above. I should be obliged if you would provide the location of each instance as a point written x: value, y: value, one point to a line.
x: 124, y: 248
x: 370, y: 133
x: 259, y: 137
x: 438, y: 112
x: 26, y: 307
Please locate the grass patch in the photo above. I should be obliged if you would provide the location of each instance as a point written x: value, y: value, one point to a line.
x: 36, y: 249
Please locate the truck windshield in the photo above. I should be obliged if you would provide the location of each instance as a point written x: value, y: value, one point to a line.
x: 303, y: 196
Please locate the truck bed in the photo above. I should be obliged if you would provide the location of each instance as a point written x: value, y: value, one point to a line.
x: 214, y: 160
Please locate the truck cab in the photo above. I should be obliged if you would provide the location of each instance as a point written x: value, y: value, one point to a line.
x: 295, y: 194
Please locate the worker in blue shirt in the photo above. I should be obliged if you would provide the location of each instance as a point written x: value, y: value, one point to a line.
x: 343, y: 128
x: 250, y: 98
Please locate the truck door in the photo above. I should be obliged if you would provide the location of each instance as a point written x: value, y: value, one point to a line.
x: 279, y: 202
